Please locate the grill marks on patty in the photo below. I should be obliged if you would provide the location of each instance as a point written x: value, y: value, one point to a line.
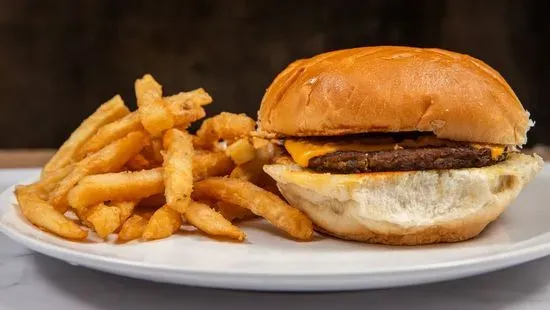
x: 447, y: 157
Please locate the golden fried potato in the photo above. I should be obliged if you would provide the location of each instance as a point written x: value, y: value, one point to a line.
x: 183, y: 100
x: 241, y: 151
x: 111, y: 132
x: 108, y: 112
x: 152, y: 109
x: 153, y: 152
x: 121, y: 186
x: 233, y: 212
x: 178, y: 169
x: 152, y: 202
x: 110, y: 158
x: 164, y: 223
x: 132, y: 228
x: 186, y: 107
x: 139, y: 162
x: 259, y: 201
x: 45, y: 216
x: 252, y: 170
x: 211, y: 164
x: 49, y: 181
x: 224, y: 126
x: 103, y: 219
x: 126, y: 208
x: 211, y: 222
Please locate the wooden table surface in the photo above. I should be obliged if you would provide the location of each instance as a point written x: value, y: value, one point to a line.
x: 21, y: 158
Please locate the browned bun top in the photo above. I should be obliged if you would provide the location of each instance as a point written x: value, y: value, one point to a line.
x: 391, y: 89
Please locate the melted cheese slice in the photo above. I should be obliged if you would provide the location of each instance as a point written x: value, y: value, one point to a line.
x: 302, y: 151
x: 496, y: 150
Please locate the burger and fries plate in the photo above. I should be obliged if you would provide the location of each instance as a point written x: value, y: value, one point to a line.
x: 235, y: 206
x: 268, y: 261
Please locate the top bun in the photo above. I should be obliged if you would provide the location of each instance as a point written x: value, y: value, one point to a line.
x: 392, y: 89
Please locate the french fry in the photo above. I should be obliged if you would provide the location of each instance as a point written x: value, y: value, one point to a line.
x: 252, y: 170
x: 126, y: 208
x: 233, y: 212
x: 241, y: 151
x: 211, y: 222
x: 104, y: 219
x: 152, y: 109
x: 82, y: 215
x: 139, y: 162
x: 183, y: 100
x: 211, y: 164
x: 152, y: 202
x: 110, y: 158
x: 257, y: 200
x: 106, y: 113
x: 186, y: 107
x: 111, y: 132
x: 224, y: 126
x: 122, y: 186
x: 164, y: 223
x: 45, y: 216
x: 153, y: 152
x: 178, y: 169
x: 132, y: 228
x: 48, y: 182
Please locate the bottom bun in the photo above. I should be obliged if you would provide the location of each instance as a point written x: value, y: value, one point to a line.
x: 406, y: 208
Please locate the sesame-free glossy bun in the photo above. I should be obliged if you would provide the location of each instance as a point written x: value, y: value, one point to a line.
x: 392, y: 89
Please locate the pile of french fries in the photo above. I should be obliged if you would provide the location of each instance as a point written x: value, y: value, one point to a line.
x: 141, y: 175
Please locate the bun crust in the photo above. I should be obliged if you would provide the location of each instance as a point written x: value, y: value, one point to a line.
x: 406, y: 208
x: 391, y: 89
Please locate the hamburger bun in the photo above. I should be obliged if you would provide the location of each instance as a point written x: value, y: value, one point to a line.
x: 406, y: 208
x: 392, y: 89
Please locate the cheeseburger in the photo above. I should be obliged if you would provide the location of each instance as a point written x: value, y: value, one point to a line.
x: 397, y: 145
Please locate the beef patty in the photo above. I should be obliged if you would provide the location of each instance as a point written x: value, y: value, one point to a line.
x: 403, y: 160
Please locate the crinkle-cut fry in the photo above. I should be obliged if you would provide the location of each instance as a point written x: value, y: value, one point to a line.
x: 121, y: 186
x: 104, y: 219
x: 106, y: 113
x: 211, y: 222
x: 152, y: 109
x: 139, y: 162
x: 241, y: 151
x: 211, y: 164
x: 110, y: 158
x: 45, y: 216
x: 111, y: 132
x: 178, y: 169
x: 224, y: 126
x: 164, y: 223
x: 233, y: 212
x: 132, y: 228
x: 259, y: 201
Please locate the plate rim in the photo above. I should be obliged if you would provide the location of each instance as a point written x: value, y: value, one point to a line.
x: 511, y: 257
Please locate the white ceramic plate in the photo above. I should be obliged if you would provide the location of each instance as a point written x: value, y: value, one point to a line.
x: 269, y: 261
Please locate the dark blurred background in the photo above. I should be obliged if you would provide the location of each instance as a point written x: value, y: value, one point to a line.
x: 60, y: 59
